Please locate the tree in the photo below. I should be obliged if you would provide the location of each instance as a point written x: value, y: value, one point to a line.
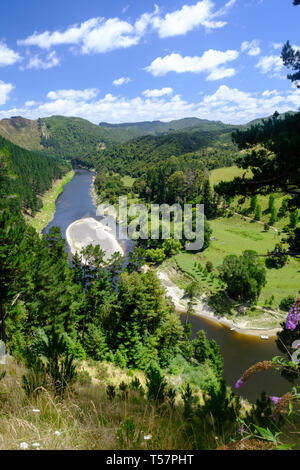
x: 209, y: 208
x: 257, y: 215
x: 276, y: 137
x: 271, y: 202
x: 12, y: 261
x: 253, y: 203
x: 291, y: 59
x: 244, y: 275
x: 273, y: 217
x: 294, y: 218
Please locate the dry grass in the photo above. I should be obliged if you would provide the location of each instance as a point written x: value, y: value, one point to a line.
x: 86, y: 418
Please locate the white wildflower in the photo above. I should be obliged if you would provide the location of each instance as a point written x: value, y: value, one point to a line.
x: 24, y: 445
x: 57, y: 433
x: 148, y: 437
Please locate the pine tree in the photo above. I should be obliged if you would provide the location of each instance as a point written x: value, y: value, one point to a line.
x: 257, y: 215
x: 209, y: 208
x: 294, y: 218
x: 253, y: 203
x: 271, y: 202
x: 273, y: 217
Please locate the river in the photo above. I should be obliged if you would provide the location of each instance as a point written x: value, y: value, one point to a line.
x: 239, y: 351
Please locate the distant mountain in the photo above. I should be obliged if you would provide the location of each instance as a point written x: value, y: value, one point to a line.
x: 138, y: 129
x: 79, y: 140
x: 72, y: 138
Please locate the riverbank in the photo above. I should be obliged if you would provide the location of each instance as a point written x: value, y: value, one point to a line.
x: 201, y: 309
x: 46, y: 214
x: 84, y: 232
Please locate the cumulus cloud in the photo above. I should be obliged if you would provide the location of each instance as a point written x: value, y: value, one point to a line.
x: 99, y: 35
x: 188, y: 18
x: 271, y: 64
x: 156, y: 93
x: 226, y: 104
x: 208, y: 62
x: 220, y: 73
x: 8, y: 56
x: 251, y: 47
x: 73, y: 95
x: 36, y: 62
x: 121, y: 81
x: 5, y: 90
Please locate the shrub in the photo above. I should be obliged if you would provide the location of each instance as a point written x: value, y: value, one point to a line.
x: 286, y: 303
x: 156, y: 383
x: 244, y: 275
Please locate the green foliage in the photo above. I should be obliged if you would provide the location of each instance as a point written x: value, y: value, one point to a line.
x: 277, y: 258
x: 49, y: 362
x: 155, y: 383
x: 95, y: 343
x: 127, y: 435
x: 291, y: 59
x: 273, y: 217
x: 257, y: 215
x: 244, y: 275
x: 30, y: 174
x: 156, y: 256
x: 205, y: 350
x: 111, y: 392
x: 286, y: 303
x: 294, y: 218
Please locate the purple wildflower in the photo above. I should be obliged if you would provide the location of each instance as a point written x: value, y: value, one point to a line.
x: 275, y: 400
x: 293, y: 317
x: 239, y: 383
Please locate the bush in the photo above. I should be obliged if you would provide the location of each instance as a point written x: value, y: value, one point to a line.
x: 277, y: 258
x: 286, y: 303
x: 155, y: 256
x: 156, y: 383
x: 209, y: 266
x: 244, y: 275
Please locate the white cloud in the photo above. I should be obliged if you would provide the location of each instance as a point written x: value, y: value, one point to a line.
x: 30, y: 103
x: 208, y: 62
x: 99, y: 35
x: 5, y: 90
x: 188, y: 18
x: 277, y: 45
x: 121, y: 81
x: 252, y: 47
x: 220, y: 73
x: 271, y: 64
x: 156, y: 93
x: 73, y: 95
x: 227, y: 104
x: 8, y: 56
x: 36, y: 62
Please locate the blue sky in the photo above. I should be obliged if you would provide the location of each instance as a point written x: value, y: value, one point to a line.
x: 124, y: 61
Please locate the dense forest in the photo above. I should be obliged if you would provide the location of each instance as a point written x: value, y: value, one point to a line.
x: 29, y: 175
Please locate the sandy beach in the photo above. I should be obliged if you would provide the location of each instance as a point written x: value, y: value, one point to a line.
x: 202, y: 309
x: 89, y: 231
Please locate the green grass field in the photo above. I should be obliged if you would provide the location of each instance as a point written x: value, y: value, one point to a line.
x: 45, y: 215
x: 234, y: 234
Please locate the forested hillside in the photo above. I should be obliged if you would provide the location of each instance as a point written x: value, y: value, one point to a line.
x: 27, y: 175
x: 137, y: 129
x: 133, y: 156
x: 80, y: 141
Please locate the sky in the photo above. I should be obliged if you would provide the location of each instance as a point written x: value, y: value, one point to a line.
x: 126, y: 61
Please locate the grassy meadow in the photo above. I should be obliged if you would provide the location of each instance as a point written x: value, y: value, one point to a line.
x: 45, y: 214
